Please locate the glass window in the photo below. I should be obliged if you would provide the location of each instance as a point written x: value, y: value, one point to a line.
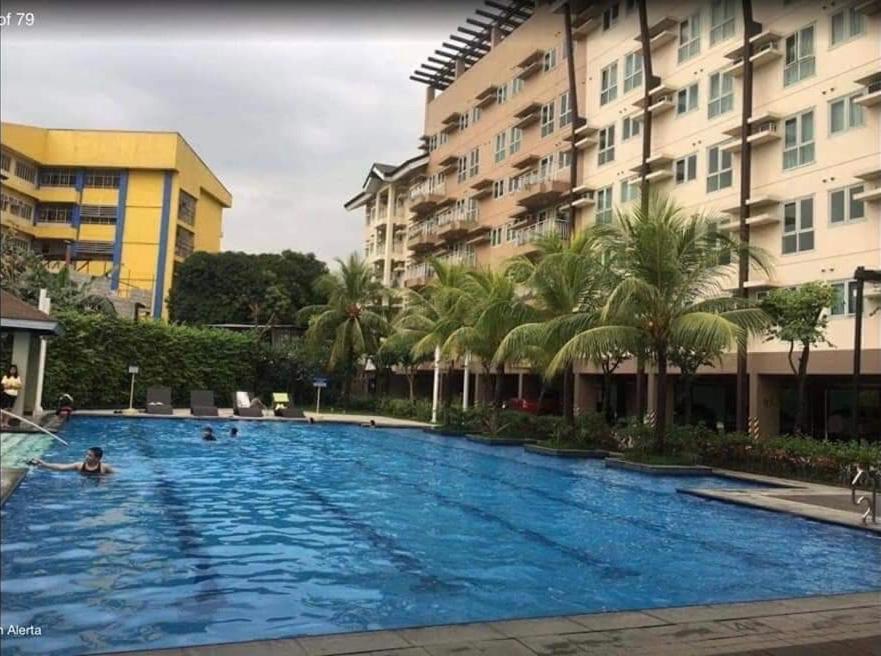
x: 502, y: 93
x: 719, y: 171
x: 798, y: 226
x: 565, y: 110
x: 689, y: 37
x: 516, y: 140
x: 498, y: 188
x: 549, y: 62
x: 564, y: 159
x: 5, y: 161
x: 631, y: 126
x: 609, y: 83
x: 58, y: 178
x: 843, y: 207
x: 547, y: 119
x: 54, y: 213
x: 721, y: 94
x: 721, y: 20
x: 604, y: 205
x: 464, y: 120
x: 501, y: 146
x: 798, y: 140
x: 846, y: 24
x: 98, y: 214
x: 629, y: 190
x: 632, y: 71
x: 607, y: 145
x: 495, y: 237
x: 845, y: 298
x: 186, y: 208
x: 845, y: 114
x: 102, y: 179
x: 800, y: 60
x: 474, y: 162
x: 685, y: 169
x: 462, y: 169
x: 25, y: 171
x: 610, y: 17
x: 516, y: 86
x: 686, y: 99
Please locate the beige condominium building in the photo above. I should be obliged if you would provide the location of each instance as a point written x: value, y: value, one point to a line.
x: 498, y: 128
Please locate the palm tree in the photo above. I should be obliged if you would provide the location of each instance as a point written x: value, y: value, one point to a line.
x: 351, y: 320
x: 670, y: 293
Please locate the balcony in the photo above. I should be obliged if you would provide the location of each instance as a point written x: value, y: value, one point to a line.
x: 530, y: 64
x: 456, y: 228
x: 527, y: 115
x: 661, y: 98
x: 655, y: 163
x: 526, y: 237
x: 486, y: 97
x: 586, y: 22
x: 482, y: 188
x: 872, y: 96
x: 755, y: 203
x: 584, y: 196
x: 763, y: 130
x: 758, y: 221
x: 425, y: 198
x: 540, y: 190
x: 526, y: 161
x: 451, y: 122
x: 661, y: 33
x: 422, y: 238
x: 765, y: 49
x: 478, y: 234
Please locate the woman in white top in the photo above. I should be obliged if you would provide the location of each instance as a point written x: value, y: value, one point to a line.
x: 11, y: 387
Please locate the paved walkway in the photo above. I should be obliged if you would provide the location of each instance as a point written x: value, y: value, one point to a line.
x: 828, y: 625
x: 227, y: 414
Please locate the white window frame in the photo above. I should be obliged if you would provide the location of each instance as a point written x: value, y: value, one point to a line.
x: 604, y: 206
x: 473, y: 162
x: 627, y: 127
x: 462, y: 169
x: 495, y: 236
x: 716, y: 176
x: 849, y: 205
x: 691, y: 93
x: 464, y: 120
x: 549, y: 60
x: 844, y: 301
x: 502, y: 94
x: 547, y: 119
x: 565, y: 113
x: 798, y: 230
x: 516, y: 85
x: 801, y: 148
x: 609, y: 83
x: 803, y: 63
x: 689, y: 38
x: 515, y: 141
x: 498, y: 188
x: 564, y: 159
x: 630, y: 190
x: 722, y: 20
x: 611, y: 16
x: 501, y: 146
x: 850, y: 110
x: 632, y: 71
x: 723, y: 100
x: 853, y: 22
x: 606, y: 147
x: 689, y: 169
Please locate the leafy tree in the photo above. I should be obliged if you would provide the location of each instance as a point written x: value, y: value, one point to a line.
x: 351, y: 321
x: 397, y: 351
x: 235, y: 287
x: 799, y: 317
x: 689, y: 360
x: 669, y: 293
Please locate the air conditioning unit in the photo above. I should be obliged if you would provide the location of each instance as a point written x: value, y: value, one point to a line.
x: 766, y: 127
x: 664, y: 98
x: 770, y: 46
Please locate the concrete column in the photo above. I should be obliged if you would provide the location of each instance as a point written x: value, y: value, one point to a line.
x: 389, y: 235
x: 520, y: 385
x: 21, y: 346
x: 651, y: 391
x: 45, y: 305
x: 436, y: 385
x: 429, y: 94
x: 466, y: 378
x: 764, y: 404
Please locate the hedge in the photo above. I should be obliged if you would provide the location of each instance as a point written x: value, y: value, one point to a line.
x: 90, y: 361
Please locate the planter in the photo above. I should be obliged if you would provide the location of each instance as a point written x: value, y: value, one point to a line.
x: 500, y: 441
x: 659, y: 470
x: 570, y: 453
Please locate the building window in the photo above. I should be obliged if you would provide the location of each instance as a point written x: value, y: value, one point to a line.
x: 607, y: 145
x: 501, y: 146
x: 464, y: 120
x: 186, y: 208
x: 462, y: 169
x: 609, y: 83
x: 845, y: 298
x: 798, y: 140
x: 685, y: 169
x: 631, y: 126
x: 564, y: 159
x: 474, y: 162
x: 719, y: 171
x: 516, y: 140
x: 843, y: 208
x: 102, y: 179
x: 442, y: 138
x: 475, y: 115
x: 798, y: 226
x: 54, y: 213
x: 16, y: 206
x: 686, y: 99
x: 516, y: 86
x: 25, y: 171
x: 502, y: 93
x: 689, y: 37
x: 610, y: 17
x: 565, y: 110
x: 632, y: 71
x: 549, y: 61
x: 495, y: 236
x: 471, y: 210
x: 800, y: 61
x: 57, y: 178
x: 98, y: 214
x: 546, y: 167
x: 721, y: 94
x: 498, y: 188
x: 604, y: 205
x: 847, y: 24
x: 184, y: 243
x: 721, y: 20
x: 845, y: 114
x: 510, y: 232
x: 5, y: 161
x: 547, y: 119
x: 432, y: 143
x: 515, y: 183
x: 629, y: 190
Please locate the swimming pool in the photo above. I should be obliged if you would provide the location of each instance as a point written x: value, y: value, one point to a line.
x: 302, y: 529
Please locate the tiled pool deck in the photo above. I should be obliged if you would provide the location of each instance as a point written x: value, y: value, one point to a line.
x: 828, y: 625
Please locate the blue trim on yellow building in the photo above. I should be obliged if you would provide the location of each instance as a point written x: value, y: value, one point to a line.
x: 159, y: 285
x: 120, y: 230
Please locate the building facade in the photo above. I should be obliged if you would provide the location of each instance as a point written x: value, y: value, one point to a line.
x: 498, y: 131
x: 125, y: 206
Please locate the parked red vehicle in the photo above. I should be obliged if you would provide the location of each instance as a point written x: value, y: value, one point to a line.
x: 548, y: 406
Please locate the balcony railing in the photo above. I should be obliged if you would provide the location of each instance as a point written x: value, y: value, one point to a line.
x: 529, y: 234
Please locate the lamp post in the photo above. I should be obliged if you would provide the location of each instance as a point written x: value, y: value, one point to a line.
x: 861, y: 275
x: 133, y: 370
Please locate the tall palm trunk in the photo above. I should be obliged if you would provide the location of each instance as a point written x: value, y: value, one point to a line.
x: 798, y: 428
x: 661, y: 399
x: 411, y: 381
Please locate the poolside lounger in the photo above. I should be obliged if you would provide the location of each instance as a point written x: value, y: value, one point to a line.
x: 242, y: 406
x: 159, y: 401
x: 281, y: 407
x: 202, y: 403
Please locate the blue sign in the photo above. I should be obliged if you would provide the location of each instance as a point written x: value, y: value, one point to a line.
x: 319, y: 382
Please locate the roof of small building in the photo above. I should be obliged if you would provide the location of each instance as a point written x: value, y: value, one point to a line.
x: 16, y: 314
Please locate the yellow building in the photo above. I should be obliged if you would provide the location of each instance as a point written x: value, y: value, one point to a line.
x: 128, y: 206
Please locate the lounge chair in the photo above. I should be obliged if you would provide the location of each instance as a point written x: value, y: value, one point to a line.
x: 281, y: 407
x: 243, y: 408
x: 159, y: 401
x: 202, y: 403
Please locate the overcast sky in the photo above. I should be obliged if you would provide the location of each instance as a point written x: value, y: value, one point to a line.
x: 289, y: 105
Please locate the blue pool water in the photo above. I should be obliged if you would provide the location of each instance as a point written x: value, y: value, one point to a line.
x: 296, y: 529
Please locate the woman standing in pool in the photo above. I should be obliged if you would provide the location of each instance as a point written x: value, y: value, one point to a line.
x: 11, y: 387
x: 90, y: 466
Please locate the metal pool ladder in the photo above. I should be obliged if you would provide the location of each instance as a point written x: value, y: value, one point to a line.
x: 868, y: 475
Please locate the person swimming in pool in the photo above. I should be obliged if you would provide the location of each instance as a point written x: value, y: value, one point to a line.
x: 233, y: 432
x: 208, y: 434
x: 90, y: 466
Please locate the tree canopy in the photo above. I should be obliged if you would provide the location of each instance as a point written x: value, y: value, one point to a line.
x: 235, y: 287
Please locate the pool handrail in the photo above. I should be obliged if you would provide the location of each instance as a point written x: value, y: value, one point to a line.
x: 37, y: 426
